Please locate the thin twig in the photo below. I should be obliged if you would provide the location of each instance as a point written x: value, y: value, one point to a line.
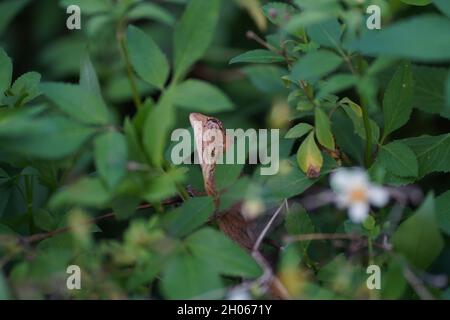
x: 251, y: 35
x: 41, y: 236
x: 322, y: 236
x: 123, y: 49
x: 417, y: 284
x: 267, y: 227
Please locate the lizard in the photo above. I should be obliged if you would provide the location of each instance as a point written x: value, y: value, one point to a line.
x: 212, y: 142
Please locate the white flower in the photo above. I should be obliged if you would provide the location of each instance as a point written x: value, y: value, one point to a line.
x: 355, y: 192
x: 239, y: 293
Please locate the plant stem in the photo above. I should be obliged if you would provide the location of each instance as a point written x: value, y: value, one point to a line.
x: 129, y: 69
x: 370, y: 250
x: 29, y: 197
x: 368, y: 131
x: 184, y: 195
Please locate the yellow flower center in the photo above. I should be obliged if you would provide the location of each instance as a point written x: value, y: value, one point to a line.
x: 358, y: 195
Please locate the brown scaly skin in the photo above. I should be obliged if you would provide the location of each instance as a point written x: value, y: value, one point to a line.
x: 232, y: 223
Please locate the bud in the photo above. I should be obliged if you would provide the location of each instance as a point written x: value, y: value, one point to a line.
x: 309, y: 157
x: 279, y: 114
x: 253, y: 208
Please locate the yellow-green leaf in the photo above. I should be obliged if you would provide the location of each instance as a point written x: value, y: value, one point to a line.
x: 309, y: 157
x: 323, y: 129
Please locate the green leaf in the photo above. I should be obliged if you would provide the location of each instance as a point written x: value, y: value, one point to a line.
x: 191, y: 215
x: 77, y: 102
x: 194, y: 33
x: 418, y: 237
x: 227, y: 174
x: 354, y: 112
x: 197, y: 95
x: 235, y: 194
x: 125, y: 205
x: 5, y: 72
x: 44, y: 220
x: 309, y: 157
x: 187, y: 277
x: 447, y: 93
x: 429, y: 89
x: 164, y: 185
x: 89, y: 6
x: 298, y: 222
x: 326, y: 33
x: 432, y: 153
x: 257, y: 56
x: 111, y: 157
x: 135, y: 149
x: 288, y: 184
x: 50, y: 137
x: 266, y: 78
x: 315, y: 65
x: 398, y: 40
x: 88, y: 76
x: 443, y: 5
x: 147, y: 59
x: 298, y: 131
x: 159, y: 121
x: 86, y: 191
x: 399, y: 159
x: 417, y: 2
x: 151, y: 11
x: 26, y: 87
x: 443, y: 212
x: 393, y: 283
x: 221, y: 253
x: 290, y: 181
x: 397, y: 102
x: 323, y: 129
x: 337, y: 83
x: 8, y: 10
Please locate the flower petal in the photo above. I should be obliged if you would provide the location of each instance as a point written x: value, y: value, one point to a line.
x: 344, y: 179
x: 378, y: 196
x: 342, y: 200
x: 358, y: 212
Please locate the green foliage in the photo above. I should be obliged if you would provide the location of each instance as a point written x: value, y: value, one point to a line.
x: 87, y: 139
x: 315, y: 65
x: 6, y: 67
x: 298, y: 131
x: 77, y: 102
x: 194, y: 34
x: 397, y: 102
x: 201, y: 96
x: 418, y: 237
x: 432, y: 153
x: 190, y: 216
x: 111, y: 157
x: 257, y: 56
x: 147, y: 59
x: 399, y: 41
x: 429, y: 90
x: 399, y: 159
x: 323, y: 129
x: 443, y: 5
x: 156, y: 128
